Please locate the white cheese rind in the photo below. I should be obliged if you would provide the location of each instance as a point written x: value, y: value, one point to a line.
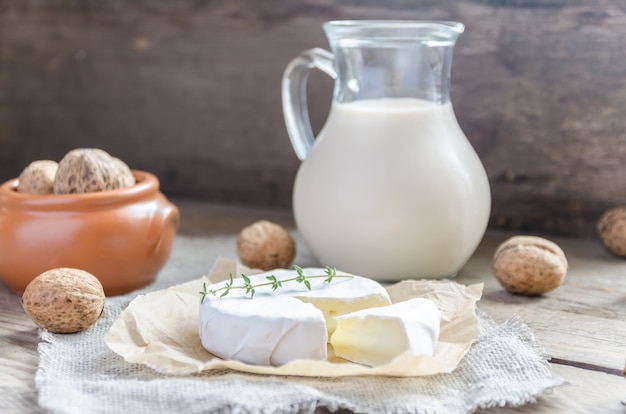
x: 265, y: 330
x: 377, y: 336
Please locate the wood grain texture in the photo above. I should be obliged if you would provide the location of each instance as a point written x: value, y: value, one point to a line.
x: 190, y: 90
x: 587, y: 392
x: 18, y: 356
x: 583, y: 321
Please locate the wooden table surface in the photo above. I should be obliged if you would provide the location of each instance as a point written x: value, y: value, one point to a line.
x: 581, y: 325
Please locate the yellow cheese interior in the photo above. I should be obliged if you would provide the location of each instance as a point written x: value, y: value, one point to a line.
x: 371, y: 340
x: 332, y: 307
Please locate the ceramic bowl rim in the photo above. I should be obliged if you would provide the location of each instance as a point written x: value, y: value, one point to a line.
x: 146, y: 183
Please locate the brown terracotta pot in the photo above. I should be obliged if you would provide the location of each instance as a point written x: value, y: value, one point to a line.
x: 123, y: 237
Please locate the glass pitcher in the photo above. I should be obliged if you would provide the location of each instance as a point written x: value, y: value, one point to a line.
x: 391, y: 188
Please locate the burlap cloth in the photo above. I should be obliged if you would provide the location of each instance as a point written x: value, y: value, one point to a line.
x: 79, y: 374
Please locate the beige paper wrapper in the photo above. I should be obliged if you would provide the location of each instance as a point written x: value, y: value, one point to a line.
x: 160, y: 329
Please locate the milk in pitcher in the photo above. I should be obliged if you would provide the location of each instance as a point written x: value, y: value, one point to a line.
x: 392, y: 180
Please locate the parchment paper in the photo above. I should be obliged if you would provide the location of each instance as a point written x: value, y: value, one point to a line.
x: 160, y: 330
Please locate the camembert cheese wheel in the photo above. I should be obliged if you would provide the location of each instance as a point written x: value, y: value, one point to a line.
x: 290, y: 323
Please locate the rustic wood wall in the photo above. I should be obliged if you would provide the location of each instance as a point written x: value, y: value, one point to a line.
x: 190, y: 90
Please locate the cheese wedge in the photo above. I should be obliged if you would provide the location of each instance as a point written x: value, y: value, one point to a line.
x: 344, y: 296
x: 276, y: 327
x: 377, y: 336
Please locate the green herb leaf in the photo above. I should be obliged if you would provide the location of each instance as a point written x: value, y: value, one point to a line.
x: 331, y: 274
x: 275, y: 282
x: 301, y: 276
x: 248, y: 285
x: 203, y: 292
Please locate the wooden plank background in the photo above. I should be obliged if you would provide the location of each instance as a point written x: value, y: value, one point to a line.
x: 190, y: 90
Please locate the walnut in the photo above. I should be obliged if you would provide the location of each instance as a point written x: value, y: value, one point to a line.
x: 64, y: 300
x: 529, y: 265
x: 126, y: 176
x: 85, y: 170
x: 612, y: 230
x: 266, y: 245
x: 37, y: 177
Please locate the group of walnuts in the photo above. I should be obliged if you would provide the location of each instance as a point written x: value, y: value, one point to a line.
x: 67, y: 300
x: 82, y: 170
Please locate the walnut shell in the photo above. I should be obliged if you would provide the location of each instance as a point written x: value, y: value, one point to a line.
x: 266, y: 245
x: 86, y: 170
x: 529, y: 265
x: 612, y: 230
x: 125, y: 174
x: 64, y: 300
x: 38, y: 177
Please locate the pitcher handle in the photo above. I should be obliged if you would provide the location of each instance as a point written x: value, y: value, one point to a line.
x: 294, y: 96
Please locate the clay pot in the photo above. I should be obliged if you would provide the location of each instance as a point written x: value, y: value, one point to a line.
x: 123, y: 237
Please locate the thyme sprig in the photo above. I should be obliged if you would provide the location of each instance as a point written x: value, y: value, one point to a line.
x: 273, y: 281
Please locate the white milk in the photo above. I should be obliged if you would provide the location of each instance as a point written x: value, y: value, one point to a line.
x: 392, y: 189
